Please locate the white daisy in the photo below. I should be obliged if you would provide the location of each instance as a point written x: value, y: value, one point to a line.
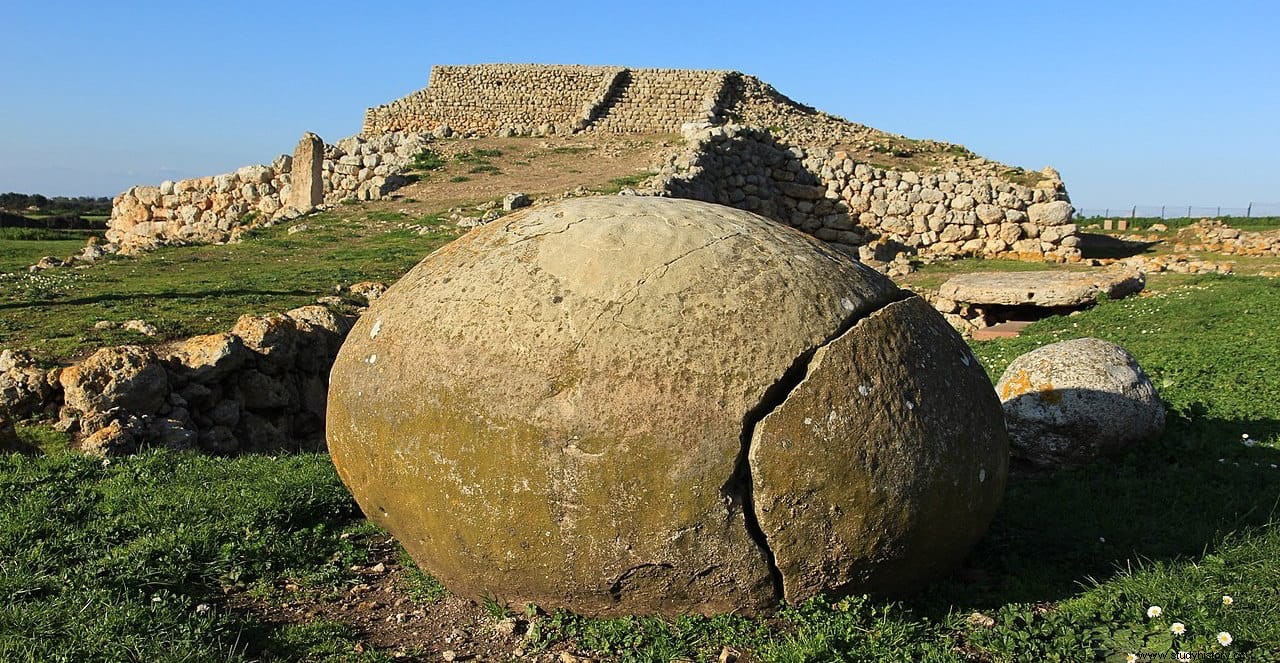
x: 1224, y: 638
x: 1154, y: 611
x: 1178, y: 628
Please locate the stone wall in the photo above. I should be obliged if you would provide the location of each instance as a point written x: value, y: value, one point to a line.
x: 219, y: 208
x: 748, y: 146
x: 872, y: 213
x: 261, y: 387
x: 524, y: 99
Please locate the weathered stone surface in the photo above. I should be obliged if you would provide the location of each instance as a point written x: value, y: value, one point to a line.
x: 128, y: 377
x: 307, y: 190
x: 1043, y: 288
x: 1054, y: 213
x: 1068, y: 403
x: 24, y: 387
x: 272, y: 337
x: 210, y: 358
x: 552, y: 408
x: 883, y: 467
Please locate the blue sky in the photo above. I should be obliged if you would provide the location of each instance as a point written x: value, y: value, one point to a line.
x: 1138, y: 102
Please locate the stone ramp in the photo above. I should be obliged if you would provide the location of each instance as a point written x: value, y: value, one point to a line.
x: 660, y: 100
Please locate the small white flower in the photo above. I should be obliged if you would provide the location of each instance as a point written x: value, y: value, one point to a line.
x: 1130, y: 658
x: 1154, y: 611
x: 202, y: 608
x: 1178, y: 628
x: 1102, y: 539
x: 1224, y: 638
x: 1244, y: 436
x: 1227, y: 600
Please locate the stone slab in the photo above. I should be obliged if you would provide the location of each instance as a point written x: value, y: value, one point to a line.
x: 1041, y: 288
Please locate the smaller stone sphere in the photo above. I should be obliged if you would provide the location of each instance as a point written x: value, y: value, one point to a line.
x: 1068, y: 403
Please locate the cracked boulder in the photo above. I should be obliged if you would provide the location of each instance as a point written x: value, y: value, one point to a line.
x: 625, y: 405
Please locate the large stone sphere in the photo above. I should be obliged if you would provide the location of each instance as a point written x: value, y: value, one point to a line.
x: 634, y: 405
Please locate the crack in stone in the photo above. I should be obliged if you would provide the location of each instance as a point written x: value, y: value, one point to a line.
x: 738, y: 490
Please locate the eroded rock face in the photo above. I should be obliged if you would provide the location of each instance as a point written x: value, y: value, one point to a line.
x: 1071, y: 402
x: 128, y: 377
x: 561, y: 408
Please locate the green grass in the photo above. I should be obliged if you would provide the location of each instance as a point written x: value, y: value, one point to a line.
x: 485, y: 168
x: 203, y: 289
x: 22, y: 247
x: 427, y: 160
x: 1144, y: 223
x: 128, y: 561
x: 619, y: 183
x: 477, y: 156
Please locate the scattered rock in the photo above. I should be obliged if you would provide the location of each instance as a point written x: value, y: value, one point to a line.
x: 613, y: 457
x: 369, y: 290
x: 1068, y: 403
x: 140, y: 326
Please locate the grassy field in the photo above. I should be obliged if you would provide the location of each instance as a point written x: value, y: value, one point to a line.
x: 136, y: 558
x: 22, y: 247
x: 202, y: 289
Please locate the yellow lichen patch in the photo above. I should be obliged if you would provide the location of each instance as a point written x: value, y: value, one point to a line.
x: 1020, y: 383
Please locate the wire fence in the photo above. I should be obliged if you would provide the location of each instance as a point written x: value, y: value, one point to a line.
x: 1251, y: 210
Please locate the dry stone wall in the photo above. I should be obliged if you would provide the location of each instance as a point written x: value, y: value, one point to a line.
x: 220, y: 208
x: 872, y: 213
x: 525, y: 99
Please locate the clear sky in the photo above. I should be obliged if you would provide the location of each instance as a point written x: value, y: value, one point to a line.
x: 1134, y: 102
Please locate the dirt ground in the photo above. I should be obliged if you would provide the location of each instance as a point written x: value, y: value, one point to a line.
x: 387, y: 617
x: 484, y: 169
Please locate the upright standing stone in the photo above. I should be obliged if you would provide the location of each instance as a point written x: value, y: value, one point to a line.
x: 306, y: 186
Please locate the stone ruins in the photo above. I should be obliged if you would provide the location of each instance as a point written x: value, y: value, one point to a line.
x: 879, y: 197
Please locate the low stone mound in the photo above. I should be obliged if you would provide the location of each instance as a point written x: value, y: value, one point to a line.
x: 638, y: 405
x: 1069, y: 403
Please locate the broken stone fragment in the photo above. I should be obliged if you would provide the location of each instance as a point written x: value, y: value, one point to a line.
x: 561, y: 408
